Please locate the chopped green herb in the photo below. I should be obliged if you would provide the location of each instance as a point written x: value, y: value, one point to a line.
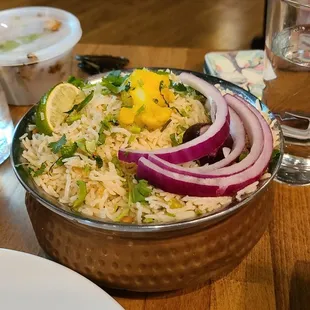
x: 30, y: 170
x: 105, y: 92
x: 58, y: 162
x: 155, y: 100
x: 148, y: 220
x: 68, y: 150
x: 89, y: 85
x: 181, y: 129
x: 127, y: 86
x: 175, y: 139
x: 184, y: 90
x: 40, y: 171
x: 90, y: 146
x: 81, y: 144
x: 101, y: 139
x: 183, y: 113
x: 114, y: 82
x: 138, y: 192
x: 170, y: 214
x: 135, y: 129
x: 140, y: 110
x: 242, y: 156
x: 105, y: 125
x: 99, y: 161
x: 76, y: 82
x: 123, y: 213
x: 131, y: 139
x: 78, y: 107
x: 86, y: 169
x: 81, y: 194
x: 117, y: 164
x: 178, y: 87
x: 56, y: 146
x: 72, y: 118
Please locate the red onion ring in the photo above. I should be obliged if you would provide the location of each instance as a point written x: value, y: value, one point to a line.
x: 254, y: 131
x: 180, y: 183
x: 206, y: 144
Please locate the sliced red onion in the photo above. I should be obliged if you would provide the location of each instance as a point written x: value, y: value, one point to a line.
x: 183, y: 184
x: 238, y: 136
x: 207, y: 143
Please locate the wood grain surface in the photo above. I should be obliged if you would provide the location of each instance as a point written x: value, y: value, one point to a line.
x: 221, y: 24
x: 276, y: 273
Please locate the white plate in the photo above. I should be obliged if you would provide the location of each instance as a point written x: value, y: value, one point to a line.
x: 29, y: 282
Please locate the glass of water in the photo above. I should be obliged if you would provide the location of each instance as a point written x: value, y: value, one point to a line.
x: 287, y: 79
x: 6, y: 128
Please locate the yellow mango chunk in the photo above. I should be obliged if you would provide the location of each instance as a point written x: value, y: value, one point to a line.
x: 149, y: 95
x: 153, y: 116
x: 168, y: 94
x: 126, y: 116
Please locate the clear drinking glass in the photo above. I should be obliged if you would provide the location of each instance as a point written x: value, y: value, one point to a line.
x: 6, y: 129
x: 287, y: 79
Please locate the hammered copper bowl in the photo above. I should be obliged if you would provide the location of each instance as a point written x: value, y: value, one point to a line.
x: 147, y: 257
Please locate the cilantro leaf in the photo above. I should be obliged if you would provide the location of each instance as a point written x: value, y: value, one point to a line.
x: 56, y: 146
x: 106, y: 125
x: 68, y: 150
x: 40, y: 171
x: 178, y: 87
x: 76, y: 82
x: 115, y: 82
x: 183, y: 90
x: 138, y: 192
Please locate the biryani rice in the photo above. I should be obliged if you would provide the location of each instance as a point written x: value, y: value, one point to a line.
x: 107, y: 193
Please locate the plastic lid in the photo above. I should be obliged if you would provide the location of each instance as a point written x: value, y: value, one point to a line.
x: 33, y: 34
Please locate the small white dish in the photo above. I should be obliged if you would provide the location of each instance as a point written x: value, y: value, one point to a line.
x: 30, y: 282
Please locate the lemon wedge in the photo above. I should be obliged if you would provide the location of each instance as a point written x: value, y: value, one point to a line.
x: 53, y: 105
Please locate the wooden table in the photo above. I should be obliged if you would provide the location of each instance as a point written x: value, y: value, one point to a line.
x: 276, y: 273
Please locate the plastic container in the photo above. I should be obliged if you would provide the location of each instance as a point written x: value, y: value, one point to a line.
x: 35, y: 51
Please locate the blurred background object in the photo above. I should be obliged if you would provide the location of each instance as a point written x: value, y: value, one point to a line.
x: 216, y: 25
